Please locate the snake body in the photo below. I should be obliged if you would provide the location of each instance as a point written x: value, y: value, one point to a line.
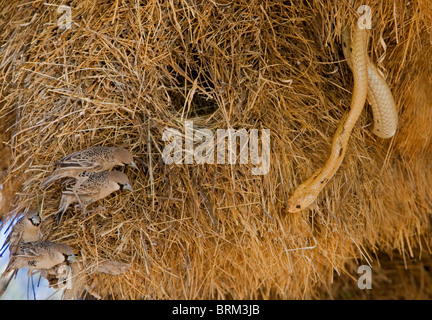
x: 368, y: 83
x: 379, y: 95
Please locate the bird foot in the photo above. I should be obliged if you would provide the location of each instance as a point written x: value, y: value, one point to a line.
x: 84, y: 211
x: 100, y: 210
x: 97, y: 210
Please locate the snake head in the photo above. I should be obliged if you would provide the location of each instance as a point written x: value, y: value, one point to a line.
x: 301, y: 198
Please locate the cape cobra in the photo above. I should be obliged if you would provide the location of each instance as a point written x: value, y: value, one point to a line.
x: 367, y: 83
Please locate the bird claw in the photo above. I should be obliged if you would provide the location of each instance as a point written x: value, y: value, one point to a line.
x: 84, y: 212
x: 97, y: 210
x: 100, y: 210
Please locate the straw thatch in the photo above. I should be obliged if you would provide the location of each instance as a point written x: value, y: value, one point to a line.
x: 127, y: 70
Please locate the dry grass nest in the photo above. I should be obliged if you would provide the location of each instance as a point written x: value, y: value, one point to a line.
x: 127, y: 70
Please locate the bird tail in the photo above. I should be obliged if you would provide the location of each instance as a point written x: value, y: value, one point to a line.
x: 49, y: 181
x: 65, y: 201
x: 5, y: 279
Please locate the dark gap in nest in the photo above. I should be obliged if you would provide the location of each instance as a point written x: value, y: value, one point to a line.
x: 200, y: 106
x: 195, y: 68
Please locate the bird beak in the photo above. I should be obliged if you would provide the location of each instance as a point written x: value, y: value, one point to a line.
x: 133, y: 165
x: 37, y: 219
x: 72, y: 258
x: 128, y: 186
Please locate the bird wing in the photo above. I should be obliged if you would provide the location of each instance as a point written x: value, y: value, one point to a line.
x: 80, y: 192
x: 14, y: 235
x: 77, y: 160
x: 83, y: 190
x: 27, y: 252
x: 90, y: 184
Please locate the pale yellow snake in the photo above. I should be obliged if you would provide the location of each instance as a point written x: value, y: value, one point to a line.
x: 367, y: 83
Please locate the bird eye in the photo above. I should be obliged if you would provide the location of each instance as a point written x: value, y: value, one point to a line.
x: 298, y: 206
